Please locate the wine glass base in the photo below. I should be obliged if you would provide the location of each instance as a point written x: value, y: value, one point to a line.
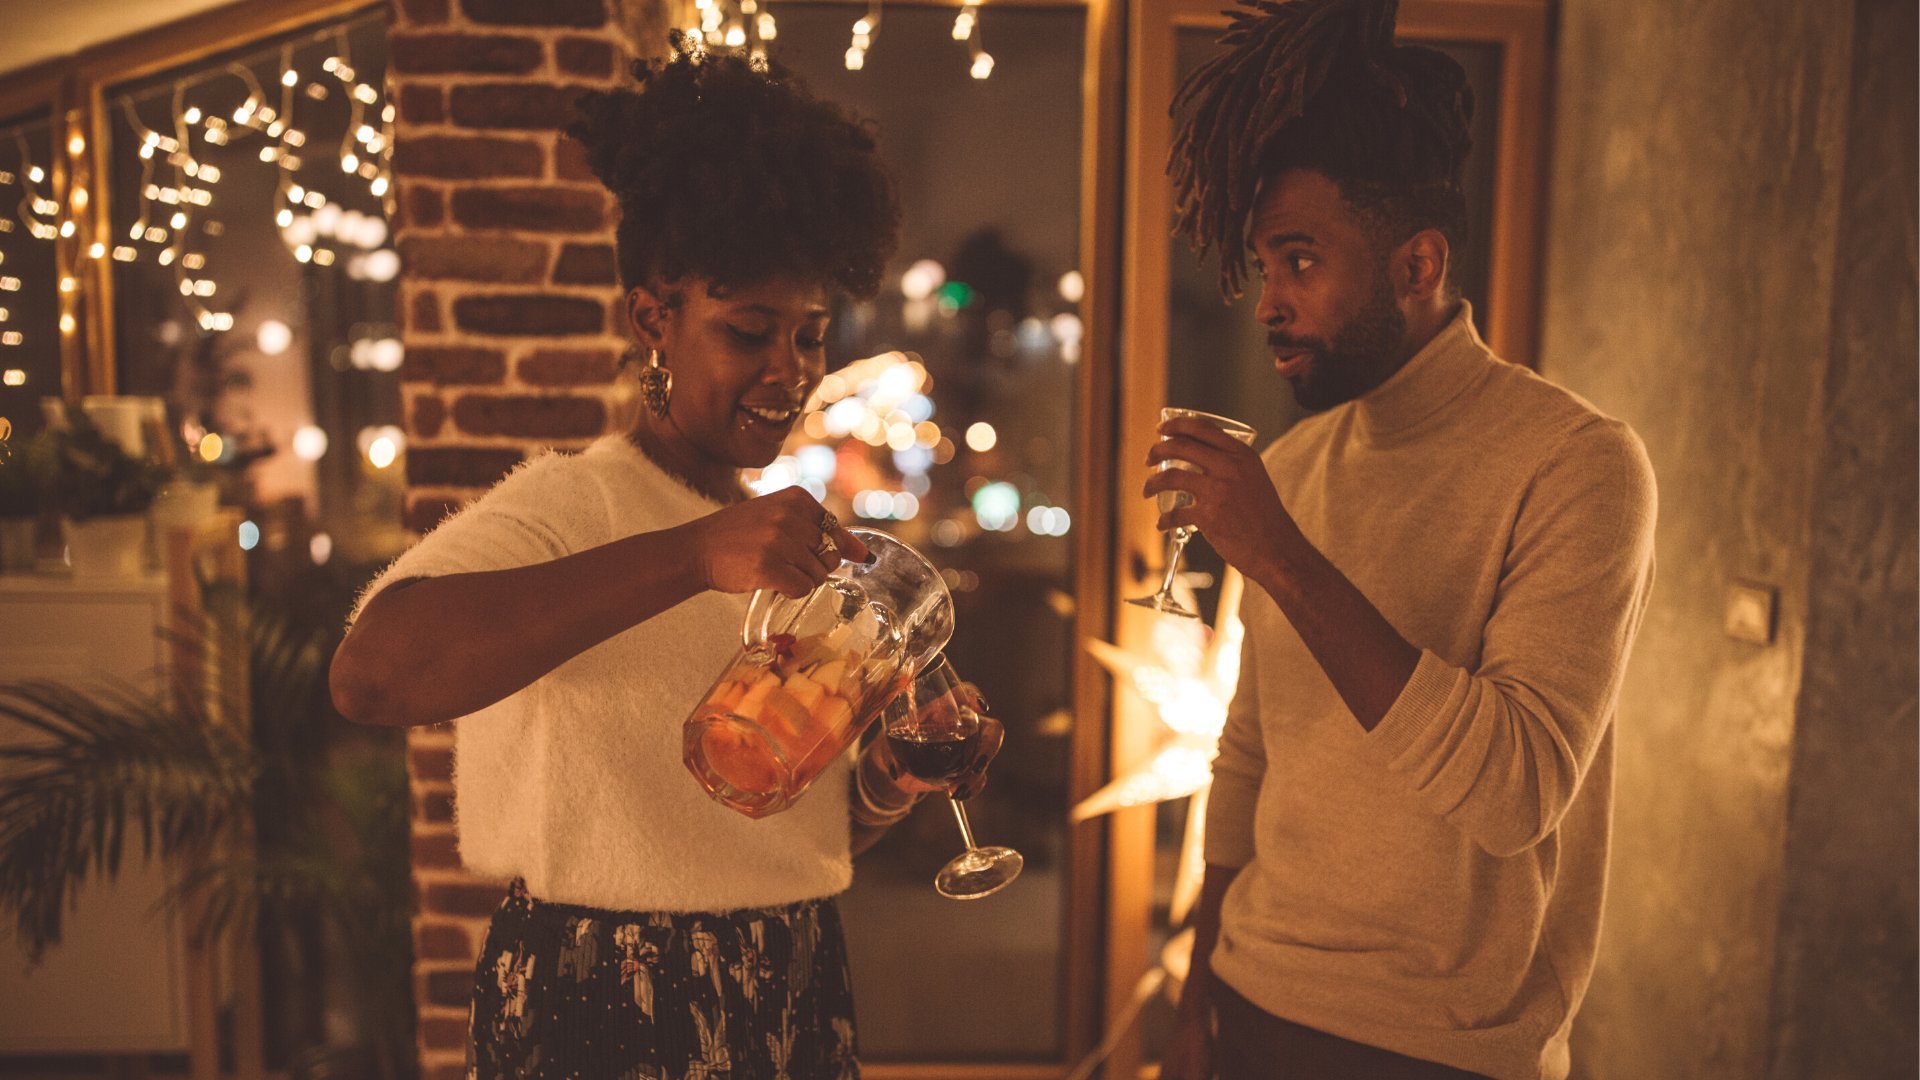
x: 1164, y: 604
x: 977, y: 873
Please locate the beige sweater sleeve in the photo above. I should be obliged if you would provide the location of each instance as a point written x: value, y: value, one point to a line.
x: 1237, y: 772
x: 1500, y: 751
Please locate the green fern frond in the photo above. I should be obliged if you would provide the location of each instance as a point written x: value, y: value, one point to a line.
x: 97, y: 759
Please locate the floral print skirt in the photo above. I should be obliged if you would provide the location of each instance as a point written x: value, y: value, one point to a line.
x: 562, y: 991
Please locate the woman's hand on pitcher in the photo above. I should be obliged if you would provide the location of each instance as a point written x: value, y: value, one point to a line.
x: 785, y: 541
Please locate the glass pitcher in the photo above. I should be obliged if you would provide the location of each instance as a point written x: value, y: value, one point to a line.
x: 812, y: 673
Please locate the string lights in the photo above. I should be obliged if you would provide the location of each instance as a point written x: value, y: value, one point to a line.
x: 966, y: 28
x: 38, y: 214
x: 743, y: 26
x: 168, y: 212
x: 863, y: 31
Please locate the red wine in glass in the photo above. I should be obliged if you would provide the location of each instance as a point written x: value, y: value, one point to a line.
x: 932, y: 734
x: 935, y: 756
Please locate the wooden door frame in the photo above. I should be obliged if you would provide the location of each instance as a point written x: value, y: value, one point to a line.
x: 1520, y: 29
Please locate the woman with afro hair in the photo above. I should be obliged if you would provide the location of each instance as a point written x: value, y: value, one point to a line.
x: 571, y: 618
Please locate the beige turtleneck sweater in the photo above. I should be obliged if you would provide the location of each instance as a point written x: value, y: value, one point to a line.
x: 1434, y: 887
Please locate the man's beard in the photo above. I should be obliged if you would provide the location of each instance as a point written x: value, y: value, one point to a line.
x: 1363, y: 353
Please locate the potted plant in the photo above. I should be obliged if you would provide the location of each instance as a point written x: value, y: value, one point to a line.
x: 290, y: 826
x: 103, y: 493
x: 23, y: 492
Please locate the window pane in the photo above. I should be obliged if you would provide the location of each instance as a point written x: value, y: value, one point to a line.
x: 29, y: 293
x: 989, y: 181
x: 256, y: 297
x: 254, y: 289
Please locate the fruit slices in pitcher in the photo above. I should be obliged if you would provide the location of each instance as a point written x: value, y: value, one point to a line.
x: 804, y: 694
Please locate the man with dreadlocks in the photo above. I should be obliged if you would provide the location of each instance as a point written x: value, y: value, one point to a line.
x: 1407, y: 834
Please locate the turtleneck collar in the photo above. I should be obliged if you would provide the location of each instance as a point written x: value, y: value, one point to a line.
x: 1441, y: 371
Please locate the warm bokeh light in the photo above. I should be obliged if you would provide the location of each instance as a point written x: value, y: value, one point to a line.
x: 310, y: 443
x: 381, y: 452
x: 273, y: 337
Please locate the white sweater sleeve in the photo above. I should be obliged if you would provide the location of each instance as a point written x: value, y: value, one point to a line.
x: 512, y: 525
x: 1500, y: 751
x: 1237, y: 771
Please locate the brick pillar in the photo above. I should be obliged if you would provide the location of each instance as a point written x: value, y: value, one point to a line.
x: 513, y: 329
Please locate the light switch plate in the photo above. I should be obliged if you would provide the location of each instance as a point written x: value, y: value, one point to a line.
x: 1750, y: 612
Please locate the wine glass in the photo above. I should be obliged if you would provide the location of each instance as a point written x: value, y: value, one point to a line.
x: 931, y: 730
x: 1163, y: 599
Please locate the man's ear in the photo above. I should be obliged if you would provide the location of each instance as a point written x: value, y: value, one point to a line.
x: 647, y: 314
x: 1420, y: 266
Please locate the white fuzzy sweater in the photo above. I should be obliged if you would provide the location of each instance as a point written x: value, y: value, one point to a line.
x: 575, y: 783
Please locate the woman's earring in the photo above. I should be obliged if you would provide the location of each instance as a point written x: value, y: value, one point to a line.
x: 656, y: 385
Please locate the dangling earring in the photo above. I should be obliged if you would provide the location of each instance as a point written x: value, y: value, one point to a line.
x: 656, y: 385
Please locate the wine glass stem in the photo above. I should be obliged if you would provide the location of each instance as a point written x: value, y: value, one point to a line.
x: 1176, y: 545
x: 960, y: 815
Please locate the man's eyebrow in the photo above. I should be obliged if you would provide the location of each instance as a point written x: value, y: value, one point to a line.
x: 1253, y: 242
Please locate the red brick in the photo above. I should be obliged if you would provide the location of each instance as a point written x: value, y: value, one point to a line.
x: 428, y: 417
x: 529, y: 315
x: 422, y: 104
x: 430, y: 735
x: 539, y: 209
x: 591, y: 57
x: 477, y: 899
x: 521, y: 106
x: 580, y: 14
x: 530, y: 417
x: 441, y: 941
x: 464, y: 466
x: 586, y: 264
x: 453, y: 365
x: 431, y: 763
x: 423, y: 514
x: 473, y: 258
x: 422, y: 206
x: 435, y: 806
x: 464, y: 54
x: 444, y: 1032
x: 570, y: 161
x: 447, y: 987
x: 422, y: 12
x: 568, y: 367
x: 439, y: 851
x: 468, y: 157
x: 424, y: 314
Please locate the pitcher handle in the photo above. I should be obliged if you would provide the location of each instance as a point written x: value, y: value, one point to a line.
x: 759, y: 615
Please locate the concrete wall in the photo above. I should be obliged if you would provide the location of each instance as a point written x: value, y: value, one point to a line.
x: 1700, y: 168
x: 1844, y: 999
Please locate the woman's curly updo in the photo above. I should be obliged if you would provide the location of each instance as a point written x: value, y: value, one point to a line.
x: 738, y: 176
